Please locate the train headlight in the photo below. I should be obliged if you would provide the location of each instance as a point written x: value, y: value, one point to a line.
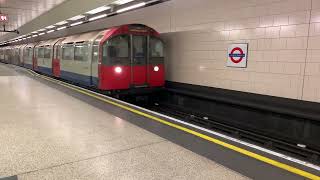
x: 118, y: 70
x: 156, y: 68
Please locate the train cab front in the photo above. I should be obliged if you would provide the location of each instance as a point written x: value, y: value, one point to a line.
x: 131, y: 60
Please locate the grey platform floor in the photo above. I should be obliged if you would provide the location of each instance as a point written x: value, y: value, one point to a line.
x: 47, y: 134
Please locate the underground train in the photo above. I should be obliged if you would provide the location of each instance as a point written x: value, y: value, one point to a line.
x: 126, y: 58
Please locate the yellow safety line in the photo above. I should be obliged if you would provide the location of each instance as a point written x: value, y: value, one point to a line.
x: 203, y: 136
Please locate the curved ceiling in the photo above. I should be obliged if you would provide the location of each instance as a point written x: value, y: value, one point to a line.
x: 20, y: 12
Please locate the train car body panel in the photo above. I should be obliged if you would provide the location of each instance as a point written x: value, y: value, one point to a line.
x: 76, y: 58
x: 28, y: 56
x: 2, y: 54
x: 44, y: 53
x: 127, y: 57
x: 21, y: 48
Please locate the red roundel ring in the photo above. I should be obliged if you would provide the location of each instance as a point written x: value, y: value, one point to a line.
x: 240, y: 57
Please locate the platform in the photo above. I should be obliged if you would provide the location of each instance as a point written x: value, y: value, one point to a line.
x: 47, y: 134
x: 49, y: 131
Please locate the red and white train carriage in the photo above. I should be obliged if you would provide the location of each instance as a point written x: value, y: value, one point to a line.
x: 127, y: 57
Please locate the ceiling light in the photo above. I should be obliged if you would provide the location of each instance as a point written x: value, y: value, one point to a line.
x: 76, y: 17
x: 24, y: 38
x: 131, y: 7
x: 98, y: 17
x: 120, y: 2
x: 35, y: 35
x: 41, y: 34
x: 34, y: 32
x: 29, y: 37
x: 97, y: 10
x: 41, y: 29
x: 77, y: 23
x: 61, y: 23
x: 63, y: 27
x: 49, y: 27
x: 51, y: 31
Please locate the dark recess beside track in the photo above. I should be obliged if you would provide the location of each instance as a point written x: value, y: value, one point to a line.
x: 276, y: 123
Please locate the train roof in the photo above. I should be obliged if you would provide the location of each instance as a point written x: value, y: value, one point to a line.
x: 49, y: 42
x: 83, y: 37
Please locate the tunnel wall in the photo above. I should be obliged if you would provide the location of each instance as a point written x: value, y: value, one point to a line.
x: 284, y: 55
x: 283, y: 37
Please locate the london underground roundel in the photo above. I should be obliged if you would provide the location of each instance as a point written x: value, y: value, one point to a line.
x: 237, y: 55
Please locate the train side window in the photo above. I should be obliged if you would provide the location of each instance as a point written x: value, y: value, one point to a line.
x: 116, y: 48
x: 81, y: 52
x: 40, y: 52
x: 30, y: 53
x: 47, y: 52
x: 67, y: 52
x: 156, y: 47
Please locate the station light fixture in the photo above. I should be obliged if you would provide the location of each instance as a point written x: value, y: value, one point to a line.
x: 98, y: 10
x: 76, y: 23
x: 61, y: 23
x: 50, y: 31
x: 60, y: 28
x: 131, y: 7
x: 76, y: 17
x: 121, y: 2
x: 50, y: 27
x: 98, y: 17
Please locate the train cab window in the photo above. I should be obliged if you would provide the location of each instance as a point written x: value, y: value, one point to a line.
x: 116, y: 49
x: 156, y: 47
x: 81, y: 52
x: 47, y: 52
x: 67, y: 52
x: 139, y: 46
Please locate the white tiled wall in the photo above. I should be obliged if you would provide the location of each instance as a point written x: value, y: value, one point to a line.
x: 283, y: 37
x: 284, y: 49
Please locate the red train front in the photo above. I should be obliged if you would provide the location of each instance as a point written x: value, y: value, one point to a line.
x: 131, y: 57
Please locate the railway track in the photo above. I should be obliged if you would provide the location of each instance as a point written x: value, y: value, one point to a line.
x: 211, y: 123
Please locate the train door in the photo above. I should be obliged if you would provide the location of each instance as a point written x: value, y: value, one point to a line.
x: 95, y: 61
x: 56, y: 58
x: 21, y: 55
x: 139, y: 59
x: 34, y: 57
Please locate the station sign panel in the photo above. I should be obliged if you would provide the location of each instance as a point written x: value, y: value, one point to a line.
x: 3, y: 18
x: 237, y: 55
